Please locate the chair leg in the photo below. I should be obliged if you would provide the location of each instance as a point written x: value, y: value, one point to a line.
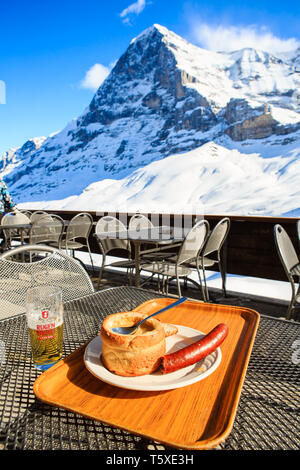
x: 164, y: 284
x: 88, y: 246
x: 101, y: 271
x: 223, y: 276
x: 167, y: 282
x: 289, y: 310
x: 206, y: 294
x: 200, y: 282
x: 293, y: 299
x: 129, y: 276
x: 178, y: 286
x: 160, y: 283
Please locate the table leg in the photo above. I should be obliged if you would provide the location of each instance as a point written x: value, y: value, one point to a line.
x: 22, y: 243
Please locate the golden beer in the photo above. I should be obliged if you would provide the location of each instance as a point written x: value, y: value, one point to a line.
x: 45, y: 325
x: 46, y: 343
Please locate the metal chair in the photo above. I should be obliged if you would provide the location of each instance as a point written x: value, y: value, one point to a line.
x: 24, y: 211
x: 77, y: 235
x: 36, y: 215
x: 211, y: 253
x: 139, y: 222
x: 51, y: 267
x: 14, y: 218
x: 290, y: 262
x: 188, y: 252
x: 107, y: 245
x: 47, y: 229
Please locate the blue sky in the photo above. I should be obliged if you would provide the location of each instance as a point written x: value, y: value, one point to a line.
x: 54, y: 53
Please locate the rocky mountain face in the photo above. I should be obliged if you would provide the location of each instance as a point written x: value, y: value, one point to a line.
x: 165, y: 96
x: 13, y: 157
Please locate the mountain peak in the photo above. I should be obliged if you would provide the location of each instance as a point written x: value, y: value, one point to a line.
x: 155, y: 28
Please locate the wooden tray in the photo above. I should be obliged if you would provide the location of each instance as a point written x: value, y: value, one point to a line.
x: 198, y: 416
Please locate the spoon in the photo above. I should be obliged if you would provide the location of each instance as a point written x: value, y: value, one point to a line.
x: 129, y: 330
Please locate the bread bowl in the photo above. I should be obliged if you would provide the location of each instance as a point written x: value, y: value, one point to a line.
x: 132, y: 355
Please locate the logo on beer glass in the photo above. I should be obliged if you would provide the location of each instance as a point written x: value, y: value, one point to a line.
x: 45, y: 314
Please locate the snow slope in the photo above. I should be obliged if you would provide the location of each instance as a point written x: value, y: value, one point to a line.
x: 210, y: 179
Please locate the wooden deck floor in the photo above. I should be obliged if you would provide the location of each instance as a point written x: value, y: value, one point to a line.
x: 263, y: 305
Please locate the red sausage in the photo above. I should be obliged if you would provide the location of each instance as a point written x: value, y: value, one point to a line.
x: 196, y: 351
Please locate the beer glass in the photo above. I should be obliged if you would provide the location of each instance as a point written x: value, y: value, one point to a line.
x: 44, y: 310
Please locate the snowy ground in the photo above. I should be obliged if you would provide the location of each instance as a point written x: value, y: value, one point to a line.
x: 276, y: 290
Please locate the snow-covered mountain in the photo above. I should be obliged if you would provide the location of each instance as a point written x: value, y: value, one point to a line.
x: 217, y: 129
x: 225, y: 179
x: 17, y: 156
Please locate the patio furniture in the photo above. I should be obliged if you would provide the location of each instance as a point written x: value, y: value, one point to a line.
x: 290, y: 263
x: 50, y: 267
x: 140, y: 222
x: 266, y: 417
x: 211, y: 253
x: 188, y: 252
x: 36, y: 215
x: 26, y: 212
x: 106, y: 232
x: 77, y: 235
x: 163, y: 236
x: 46, y: 229
x: 15, y: 226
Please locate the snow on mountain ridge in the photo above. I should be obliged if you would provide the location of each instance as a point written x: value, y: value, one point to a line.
x: 15, y: 156
x: 270, y: 74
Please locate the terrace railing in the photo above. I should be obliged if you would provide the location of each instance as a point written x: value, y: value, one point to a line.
x: 249, y: 249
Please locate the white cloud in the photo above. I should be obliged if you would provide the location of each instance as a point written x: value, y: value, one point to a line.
x: 135, y: 8
x: 95, y: 76
x: 230, y: 38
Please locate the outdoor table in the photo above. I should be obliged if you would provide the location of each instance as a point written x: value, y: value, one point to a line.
x: 267, y: 417
x: 163, y: 237
x: 21, y: 228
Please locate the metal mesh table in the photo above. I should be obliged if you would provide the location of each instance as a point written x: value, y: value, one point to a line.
x: 268, y: 412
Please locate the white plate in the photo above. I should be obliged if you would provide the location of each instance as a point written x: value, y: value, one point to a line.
x: 156, y: 381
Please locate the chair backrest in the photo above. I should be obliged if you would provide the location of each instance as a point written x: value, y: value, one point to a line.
x: 285, y: 249
x: 52, y: 268
x: 13, y: 218
x: 46, y: 229
x: 36, y: 215
x: 139, y: 221
x: 111, y: 224
x: 217, y: 237
x: 27, y: 213
x: 80, y: 226
x: 193, y: 242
